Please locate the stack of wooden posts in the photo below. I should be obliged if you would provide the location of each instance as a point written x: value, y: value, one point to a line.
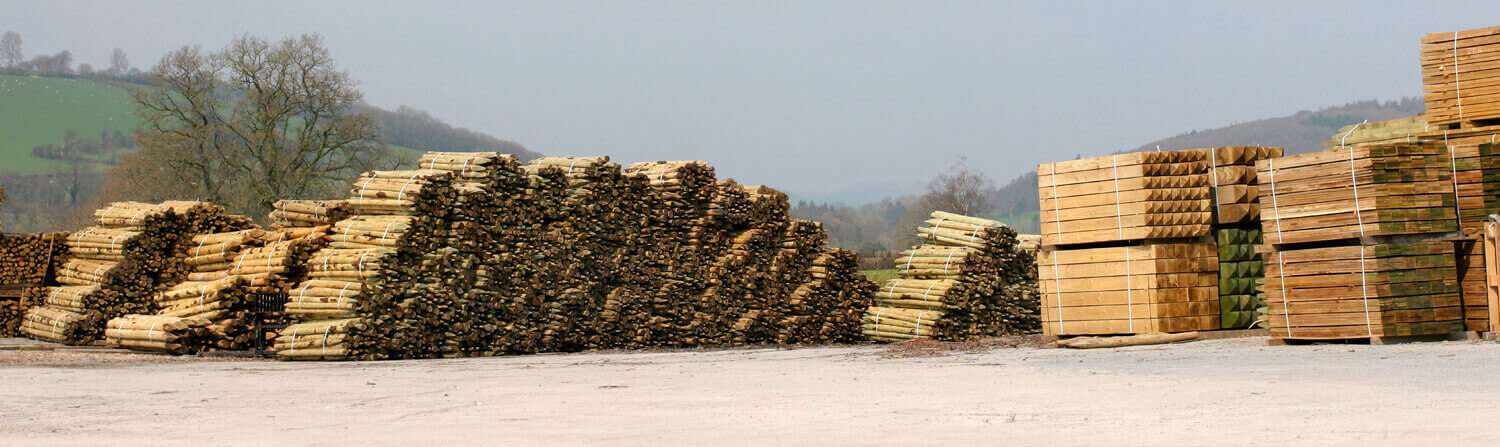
x: 1157, y: 287
x: 1402, y: 188
x: 1459, y: 81
x: 1242, y: 273
x: 168, y: 334
x: 1362, y: 242
x: 228, y: 269
x: 1125, y: 246
x: 117, y: 266
x: 26, y: 262
x: 1142, y: 195
x: 970, y: 279
x: 1235, y: 188
x: 1399, y: 130
x: 568, y: 253
x: 307, y: 213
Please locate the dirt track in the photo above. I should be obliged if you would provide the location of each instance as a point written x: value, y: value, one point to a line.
x: 1234, y: 392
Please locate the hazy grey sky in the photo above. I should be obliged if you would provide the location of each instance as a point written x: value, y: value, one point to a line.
x: 815, y: 95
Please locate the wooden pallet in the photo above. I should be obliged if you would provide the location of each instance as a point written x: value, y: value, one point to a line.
x: 1388, y: 189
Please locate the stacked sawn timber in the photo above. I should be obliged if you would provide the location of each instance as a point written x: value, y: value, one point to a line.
x: 970, y: 279
x: 1142, y: 195
x: 1342, y: 222
x: 1242, y: 273
x: 1461, y: 76
x: 1157, y: 287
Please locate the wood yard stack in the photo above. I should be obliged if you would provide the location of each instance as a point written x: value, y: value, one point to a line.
x: 1236, y: 197
x: 1142, y: 195
x: 1361, y: 242
x: 1242, y: 274
x: 478, y: 254
x: 1461, y: 76
x: 969, y: 279
x: 116, y: 266
x: 26, y: 263
x: 307, y: 213
x: 1125, y: 241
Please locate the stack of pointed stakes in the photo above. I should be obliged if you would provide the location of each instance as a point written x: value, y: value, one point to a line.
x: 26, y: 262
x: 969, y: 280
x: 1242, y: 303
x: 1236, y: 196
x: 307, y: 213
x: 1140, y: 195
x: 117, y: 266
x: 171, y: 335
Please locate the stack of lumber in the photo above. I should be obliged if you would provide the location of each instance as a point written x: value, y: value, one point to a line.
x: 28, y: 259
x: 167, y: 334
x: 970, y: 275
x: 316, y: 340
x: 13, y: 311
x: 1160, y: 287
x: 1399, y: 130
x: 1363, y: 291
x: 1459, y: 81
x: 1241, y: 275
x: 307, y: 213
x: 115, y: 267
x: 1366, y: 190
x: 1140, y: 195
x: 1235, y: 189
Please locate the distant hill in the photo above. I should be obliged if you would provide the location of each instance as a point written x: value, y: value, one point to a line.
x: 1299, y: 133
x: 35, y: 110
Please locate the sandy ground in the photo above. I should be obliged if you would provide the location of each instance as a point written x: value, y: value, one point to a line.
x: 1223, y: 392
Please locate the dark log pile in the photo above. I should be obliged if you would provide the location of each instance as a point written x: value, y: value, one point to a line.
x: 478, y: 254
x: 115, y: 267
x: 971, y: 279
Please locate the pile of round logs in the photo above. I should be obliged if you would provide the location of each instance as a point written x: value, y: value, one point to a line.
x: 307, y: 213
x: 478, y: 254
x: 972, y: 278
x: 168, y: 334
x: 115, y: 268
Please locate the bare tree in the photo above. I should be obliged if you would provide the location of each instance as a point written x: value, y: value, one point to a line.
x: 961, y: 190
x: 10, y: 49
x: 266, y: 120
x: 118, y: 63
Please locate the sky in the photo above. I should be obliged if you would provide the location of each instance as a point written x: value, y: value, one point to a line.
x: 814, y: 96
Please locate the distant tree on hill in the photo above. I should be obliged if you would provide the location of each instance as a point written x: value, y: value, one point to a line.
x: 118, y: 63
x: 57, y: 64
x: 85, y: 70
x: 251, y: 124
x: 10, y: 49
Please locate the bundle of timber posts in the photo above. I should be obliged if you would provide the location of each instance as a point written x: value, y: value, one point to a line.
x: 1236, y: 227
x: 1360, y: 242
x: 1126, y: 244
x: 969, y: 279
x: 1459, y: 82
x: 115, y: 267
x: 27, y: 263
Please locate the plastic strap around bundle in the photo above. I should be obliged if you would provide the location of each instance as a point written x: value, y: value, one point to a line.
x: 929, y: 289
x: 1453, y: 163
x: 1129, y: 294
x: 1057, y: 292
x: 1275, y: 211
x: 341, y: 293
x: 918, y: 326
x: 1286, y: 310
x: 385, y: 233
x: 937, y: 227
x: 401, y: 195
x: 1458, y: 92
x: 1057, y: 222
x: 1364, y: 282
x: 326, y: 330
x: 947, y: 260
x: 880, y: 310
x: 151, y: 333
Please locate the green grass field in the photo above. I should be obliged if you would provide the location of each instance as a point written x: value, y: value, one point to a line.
x: 880, y: 276
x: 35, y: 110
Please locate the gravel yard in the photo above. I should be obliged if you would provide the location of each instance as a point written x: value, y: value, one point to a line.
x: 1231, y: 392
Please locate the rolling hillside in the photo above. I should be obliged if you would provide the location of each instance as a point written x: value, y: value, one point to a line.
x: 35, y: 110
x: 1299, y: 133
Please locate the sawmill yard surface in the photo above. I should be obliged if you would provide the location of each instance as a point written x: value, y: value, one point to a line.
x: 1220, y: 392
